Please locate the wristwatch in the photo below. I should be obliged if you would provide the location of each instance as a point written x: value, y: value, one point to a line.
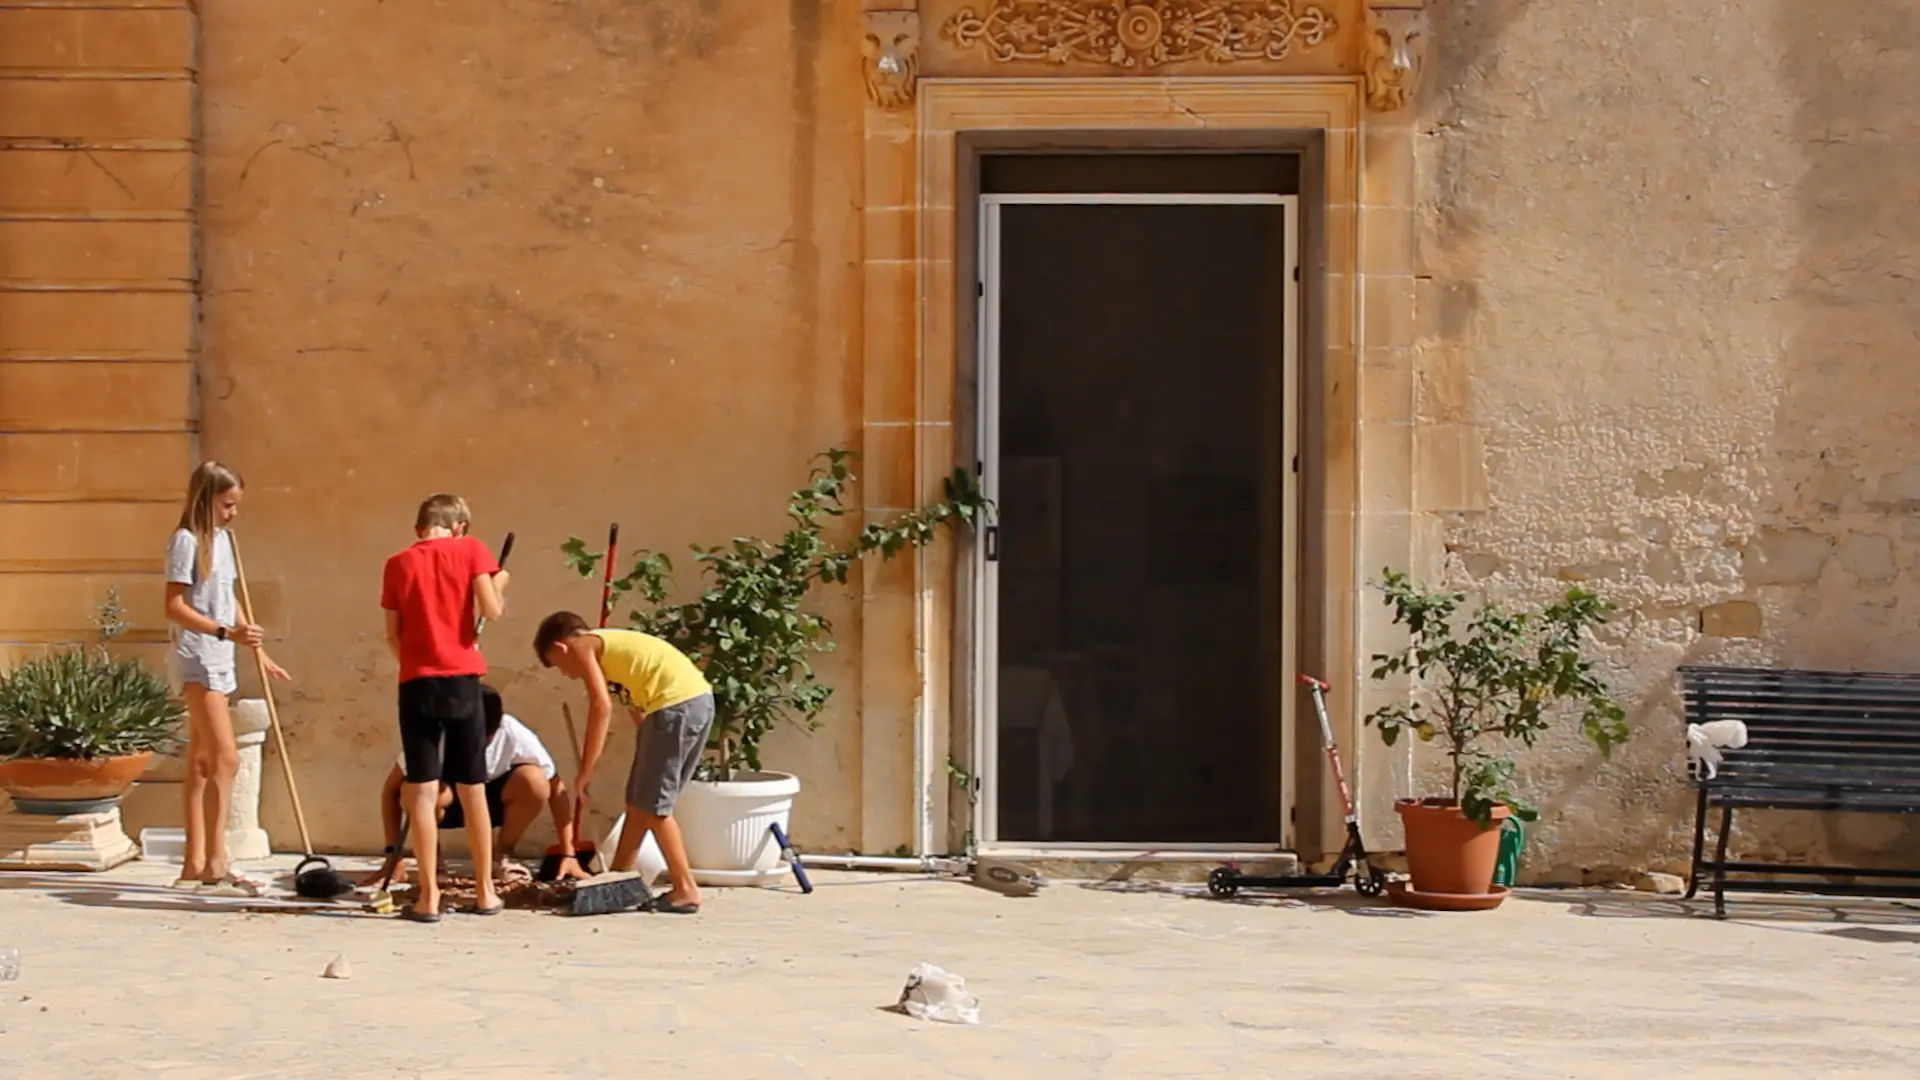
x: 388, y: 850
x: 221, y: 633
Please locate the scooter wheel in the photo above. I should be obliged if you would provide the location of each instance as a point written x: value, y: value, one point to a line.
x: 1371, y: 882
x: 1223, y: 882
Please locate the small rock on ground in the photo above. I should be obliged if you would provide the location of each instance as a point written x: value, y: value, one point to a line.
x: 338, y: 968
x: 1655, y: 882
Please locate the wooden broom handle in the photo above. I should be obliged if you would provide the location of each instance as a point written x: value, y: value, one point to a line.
x: 266, y: 688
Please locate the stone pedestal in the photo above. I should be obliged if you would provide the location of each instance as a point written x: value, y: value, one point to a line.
x: 92, y: 841
x: 246, y: 840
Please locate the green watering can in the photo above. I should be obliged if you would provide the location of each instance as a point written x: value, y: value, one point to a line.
x: 1513, y: 838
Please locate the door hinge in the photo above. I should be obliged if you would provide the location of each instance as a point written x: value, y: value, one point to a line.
x: 993, y: 543
x: 1293, y: 815
x: 1296, y: 272
x: 980, y: 288
x: 1296, y: 463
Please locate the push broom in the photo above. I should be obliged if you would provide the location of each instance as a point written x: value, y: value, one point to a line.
x: 614, y: 891
x: 584, y: 849
x: 314, y: 878
x: 605, y: 893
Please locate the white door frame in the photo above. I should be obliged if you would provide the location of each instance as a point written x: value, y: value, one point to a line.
x: 986, y: 573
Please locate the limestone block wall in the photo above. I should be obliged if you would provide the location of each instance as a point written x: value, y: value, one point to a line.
x: 580, y: 263
x: 97, y: 310
x: 1665, y: 349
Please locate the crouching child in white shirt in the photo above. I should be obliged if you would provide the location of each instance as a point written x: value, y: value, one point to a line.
x: 521, y: 778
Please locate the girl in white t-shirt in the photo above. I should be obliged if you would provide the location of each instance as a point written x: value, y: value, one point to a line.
x: 201, y: 571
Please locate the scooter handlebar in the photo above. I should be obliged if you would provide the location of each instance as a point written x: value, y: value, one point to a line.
x: 1308, y: 680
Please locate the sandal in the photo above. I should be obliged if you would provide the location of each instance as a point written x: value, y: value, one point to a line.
x: 414, y: 914
x: 668, y: 907
x: 508, y: 872
x: 494, y: 910
x: 234, y: 884
x: 186, y: 884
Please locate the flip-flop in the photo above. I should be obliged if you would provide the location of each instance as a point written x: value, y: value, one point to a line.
x: 186, y: 884
x: 234, y: 885
x: 494, y: 910
x: 414, y: 914
x: 667, y: 907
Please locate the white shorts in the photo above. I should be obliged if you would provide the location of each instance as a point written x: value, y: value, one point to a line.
x: 192, y: 669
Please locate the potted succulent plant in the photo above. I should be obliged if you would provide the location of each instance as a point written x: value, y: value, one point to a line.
x: 752, y: 634
x: 1479, y: 680
x: 78, y: 726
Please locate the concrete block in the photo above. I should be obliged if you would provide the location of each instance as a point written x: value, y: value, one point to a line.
x: 1868, y: 557
x: 104, y: 394
x: 100, y: 464
x: 1732, y: 619
x: 62, y: 605
x: 102, y: 39
x: 97, y: 251
x: 1785, y: 557
x: 67, y: 842
x: 61, y: 536
x: 91, y: 323
x: 149, y: 180
x: 96, y: 109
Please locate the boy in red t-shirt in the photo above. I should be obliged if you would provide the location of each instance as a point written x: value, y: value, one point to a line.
x: 430, y: 592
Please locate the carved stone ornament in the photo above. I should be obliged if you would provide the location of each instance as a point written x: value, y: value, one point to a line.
x: 1396, y: 45
x: 892, y: 51
x: 1140, y: 34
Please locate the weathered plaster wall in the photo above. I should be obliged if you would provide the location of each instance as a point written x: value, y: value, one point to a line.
x: 1667, y: 298
x: 578, y: 262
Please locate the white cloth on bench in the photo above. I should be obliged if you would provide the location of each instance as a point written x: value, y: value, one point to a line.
x: 1705, y: 741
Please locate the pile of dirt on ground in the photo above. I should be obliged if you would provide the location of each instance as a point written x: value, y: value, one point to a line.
x: 458, y: 892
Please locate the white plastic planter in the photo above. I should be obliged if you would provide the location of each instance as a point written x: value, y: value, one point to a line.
x: 651, y: 864
x: 727, y: 827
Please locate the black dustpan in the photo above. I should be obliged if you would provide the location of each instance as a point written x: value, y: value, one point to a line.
x: 316, y: 879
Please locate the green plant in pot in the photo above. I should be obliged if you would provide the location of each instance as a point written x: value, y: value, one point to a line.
x: 753, y: 635
x: 78, y: 726
x: 1484, y: 681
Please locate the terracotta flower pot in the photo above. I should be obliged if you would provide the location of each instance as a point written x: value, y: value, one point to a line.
x: 1447, y: 851
x: 71, y: 780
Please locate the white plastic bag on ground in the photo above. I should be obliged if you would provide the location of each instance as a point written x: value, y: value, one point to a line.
x: 934, y: 993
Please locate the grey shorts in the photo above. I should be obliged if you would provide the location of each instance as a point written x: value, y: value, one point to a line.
x: 193, y: 669
x: 666, y: 754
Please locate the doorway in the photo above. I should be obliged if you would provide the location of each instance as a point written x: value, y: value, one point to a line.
x: 1138, y: 421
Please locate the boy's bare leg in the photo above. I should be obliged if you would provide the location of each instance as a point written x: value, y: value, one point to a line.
x: 473, y: 803
x: 666, y: 833
x: 421, y: 800
x: 526, y: 792
x: 626, y: 854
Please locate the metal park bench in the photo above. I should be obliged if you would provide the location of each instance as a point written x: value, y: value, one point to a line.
x: 1815, y: 740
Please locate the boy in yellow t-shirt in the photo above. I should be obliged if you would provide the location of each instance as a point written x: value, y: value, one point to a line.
x: 670, y: 700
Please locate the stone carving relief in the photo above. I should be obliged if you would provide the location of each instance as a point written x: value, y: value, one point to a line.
x: 892, y: 51
x: 1139, y: 34
x: 1396, y: 44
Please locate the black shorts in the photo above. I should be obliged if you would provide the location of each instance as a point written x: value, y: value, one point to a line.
x: 443, y: 729
x: 456, y: 816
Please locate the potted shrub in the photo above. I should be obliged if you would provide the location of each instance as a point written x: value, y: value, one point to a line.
x: 78, y: 726
x: 1481, y: 681
x: 752, y: 634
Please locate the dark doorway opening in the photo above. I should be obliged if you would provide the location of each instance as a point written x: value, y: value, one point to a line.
x: 1140, y: 450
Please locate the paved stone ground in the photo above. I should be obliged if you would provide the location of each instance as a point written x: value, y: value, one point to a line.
x: 121, y: 979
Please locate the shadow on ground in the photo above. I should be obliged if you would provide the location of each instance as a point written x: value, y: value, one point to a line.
x: 1802, y: 914
x: 1341, y: 900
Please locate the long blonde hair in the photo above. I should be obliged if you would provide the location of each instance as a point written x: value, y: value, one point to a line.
x: 208, y: 482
